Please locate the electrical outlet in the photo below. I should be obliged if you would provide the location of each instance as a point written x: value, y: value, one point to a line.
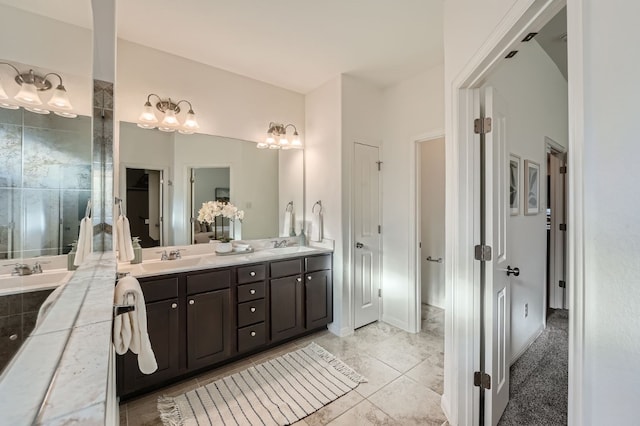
x: 526, y: 310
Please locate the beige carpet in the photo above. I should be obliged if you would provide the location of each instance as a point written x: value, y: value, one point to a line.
x: 277, y: 392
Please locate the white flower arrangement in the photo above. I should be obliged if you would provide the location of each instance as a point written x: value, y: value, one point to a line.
x: 212, y: 209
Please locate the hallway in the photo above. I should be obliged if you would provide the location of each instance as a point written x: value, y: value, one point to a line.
x: 539, y: 378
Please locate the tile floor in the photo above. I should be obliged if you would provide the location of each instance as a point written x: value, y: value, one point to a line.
x: 404, y: 372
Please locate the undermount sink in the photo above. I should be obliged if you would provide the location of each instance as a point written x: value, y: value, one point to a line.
x: 282, y: 251
x: 165, y: 265
x: 47, y: 279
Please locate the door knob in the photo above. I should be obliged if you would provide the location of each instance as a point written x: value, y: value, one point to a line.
x: 510, y: 270
x: 359, y: 245
x: 191, y: 302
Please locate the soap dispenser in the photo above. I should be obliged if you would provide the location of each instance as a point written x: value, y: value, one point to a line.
x: 137, y: 250
x: 302, y: 238
x: 71, y: 256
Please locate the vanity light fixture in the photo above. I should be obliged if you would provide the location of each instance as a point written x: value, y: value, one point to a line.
x: 170, y: 111
x: 277, y: 137
x: 29, y: 98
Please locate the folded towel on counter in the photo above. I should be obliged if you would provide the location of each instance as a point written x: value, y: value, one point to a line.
x: 287, y: 223
x: 130, y: 329
x: 123, y: 238
x: 316, y: 226
x: 85, y: 241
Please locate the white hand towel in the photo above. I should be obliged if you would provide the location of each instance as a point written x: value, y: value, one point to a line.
x: 286, y: 225
x: 85, y: 241
x: 130, y: 329
x: 123, y: 236
x: 316, y: 226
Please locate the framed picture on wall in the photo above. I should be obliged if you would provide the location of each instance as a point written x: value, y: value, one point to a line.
x: 514, y: 184
x: 222, y: 194
x: 531, y: 187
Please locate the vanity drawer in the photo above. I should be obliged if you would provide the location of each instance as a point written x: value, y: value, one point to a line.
x: 208, y: 281
x: 249, y: 274
x: 286, y: 268
x: 159, y: 289
x: 318, y: 263
x: 250, y: 312
x: 251, y: 337
x: 251, y: 291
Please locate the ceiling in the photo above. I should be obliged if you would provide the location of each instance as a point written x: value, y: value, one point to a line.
x: 553, y: 39
x: 294, y: 44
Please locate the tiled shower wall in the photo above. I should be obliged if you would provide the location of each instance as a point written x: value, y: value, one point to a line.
x: 103, y: 195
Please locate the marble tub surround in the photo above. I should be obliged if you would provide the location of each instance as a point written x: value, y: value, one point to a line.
x: 60, y: 374
x: 203, y: 256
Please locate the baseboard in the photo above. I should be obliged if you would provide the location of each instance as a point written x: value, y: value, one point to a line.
x: 340, y: 332
x: 444, y: 405
x: 529, y: 343
x: 403, y: 325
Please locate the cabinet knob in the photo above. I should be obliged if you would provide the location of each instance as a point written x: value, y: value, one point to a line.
x: 174, y: 305
x: 308, y: 277
x: 252, y: 291
x: 253, y: 309
x: 299, y: 279
x: 253, y: 334
x: 191, y: 302
x: 253, y: 274
x: 13, y: 337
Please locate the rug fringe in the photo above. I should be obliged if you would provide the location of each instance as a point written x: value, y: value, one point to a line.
x: 169, y: 413
x: 336, y: 363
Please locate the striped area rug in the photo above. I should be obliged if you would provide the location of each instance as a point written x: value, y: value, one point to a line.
x: 277, y: 392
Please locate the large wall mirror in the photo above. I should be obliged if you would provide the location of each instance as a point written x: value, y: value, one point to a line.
x: 45, y: 159
x: 199, y: 168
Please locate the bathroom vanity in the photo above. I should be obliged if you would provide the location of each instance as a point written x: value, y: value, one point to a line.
x: 202, y: 317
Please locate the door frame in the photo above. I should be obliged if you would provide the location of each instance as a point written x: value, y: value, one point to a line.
x: 460, y: 398
x: 415, y: 169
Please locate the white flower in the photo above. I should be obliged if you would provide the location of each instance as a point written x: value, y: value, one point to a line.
x: 211, y: 209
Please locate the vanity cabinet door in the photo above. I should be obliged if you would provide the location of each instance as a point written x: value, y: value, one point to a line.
x: 318, y: 299
x: 163, y: 329
x: 286, y: 307
x: 208, y: 328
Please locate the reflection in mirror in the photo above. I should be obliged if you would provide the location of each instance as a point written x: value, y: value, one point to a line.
x: 45, y: 182
x: 210, y: 184
x: 260, y: 182
x: 144, y: 209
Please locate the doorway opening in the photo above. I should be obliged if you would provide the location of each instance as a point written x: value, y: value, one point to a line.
x: 144, y: 205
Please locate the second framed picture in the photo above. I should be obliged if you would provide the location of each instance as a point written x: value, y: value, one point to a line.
x: 531, y: 187
x: 514, y: 184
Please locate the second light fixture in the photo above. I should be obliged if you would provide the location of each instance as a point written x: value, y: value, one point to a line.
x: 170, y: 111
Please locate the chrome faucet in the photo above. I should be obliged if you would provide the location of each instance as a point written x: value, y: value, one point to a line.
x: 175, y: 254
x: 279, y: 244
x: 22, y: 269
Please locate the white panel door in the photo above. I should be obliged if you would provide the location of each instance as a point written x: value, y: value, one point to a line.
x: 366, y: 195
x: 497, y: 307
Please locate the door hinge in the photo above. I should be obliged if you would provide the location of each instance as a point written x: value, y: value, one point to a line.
x: 420, y: 244
x: 563, y: 227
x: 379, y: 292
x: 563, y: 170
x: 483, y: 253
x: 482, y: 125
x: 482, y: 380
x: 379, y: 163
x: 562, y: 284
x: 379, y: 229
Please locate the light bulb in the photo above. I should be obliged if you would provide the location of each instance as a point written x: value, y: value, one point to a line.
x: 147, y: 119
x: 270, y: 140
x: 29, y: 94
x: 37, y: 110
x: 190, y: 124
x: 283, y: 140
x: 60, y: 98
x: 274, y: 146
x: 170, y: 119
x: 166, y: 129
x: 296, y: 143
x: 262, y: 145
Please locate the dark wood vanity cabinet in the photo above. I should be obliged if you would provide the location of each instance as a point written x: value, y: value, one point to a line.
x: 202, y: 319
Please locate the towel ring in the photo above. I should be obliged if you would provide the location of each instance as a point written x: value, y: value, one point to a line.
x: 319, y: 204
x: 289, y: 207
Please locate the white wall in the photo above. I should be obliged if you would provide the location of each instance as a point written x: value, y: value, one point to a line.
x: 432, y: 220
x: 536, y: 94
x: 612, y: 232
x: 323, y: 156
x: 47, y: 45
x: 225, y: 104
x: 411, y: 109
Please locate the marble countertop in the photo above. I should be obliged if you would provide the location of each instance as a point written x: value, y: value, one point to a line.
x: 208, y: 259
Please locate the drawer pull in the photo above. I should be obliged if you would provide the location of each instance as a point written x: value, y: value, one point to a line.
x: 252, y: 291
x: 253, y: 309
x: 191, y: 302
x: 174, y: 305
x: 299, y: 279
x: 309, y: 278
x: 13, y: 337
x: 253, y: 334
x: 252, y: 273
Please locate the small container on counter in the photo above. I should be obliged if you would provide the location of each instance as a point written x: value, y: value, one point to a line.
x: 71, y: 257
x: 137, y: 250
